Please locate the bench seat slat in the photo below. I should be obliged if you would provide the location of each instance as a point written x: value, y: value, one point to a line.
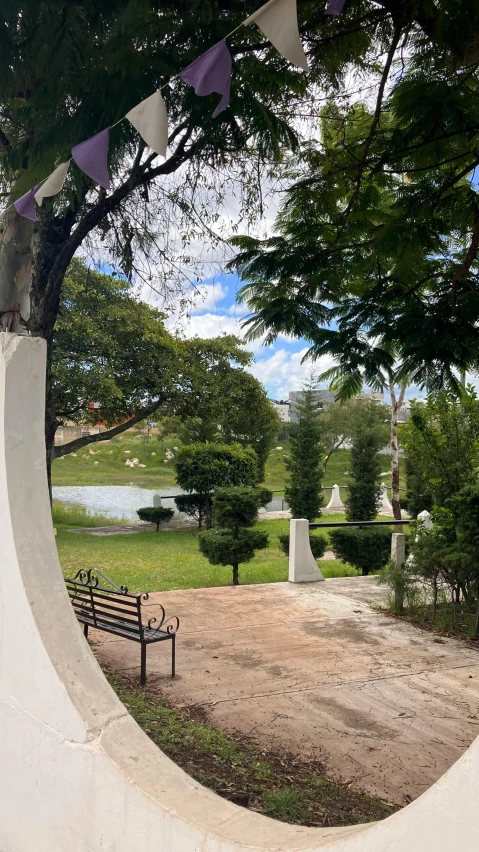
x: 150, y: 635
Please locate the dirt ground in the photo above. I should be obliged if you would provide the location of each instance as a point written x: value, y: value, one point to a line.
x: 315, y: 670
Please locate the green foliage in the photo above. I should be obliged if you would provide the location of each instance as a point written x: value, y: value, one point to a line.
x: 222, y: 547
x: 365, y: 468
x: 374, y: 259
x: 442, y: 444
x: 238, y: 507
x: 155, y: 515
x: 303, y: 490
x: 232, y: 541
x: 200, y: 468
x: 317, y: 543
x: 194, y: 505
x: 418, y: 496
x: 368, y: 549
x: 113, y: 350
x: 109, y: 349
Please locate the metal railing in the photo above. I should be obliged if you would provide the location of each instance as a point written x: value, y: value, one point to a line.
x: 361, y: 524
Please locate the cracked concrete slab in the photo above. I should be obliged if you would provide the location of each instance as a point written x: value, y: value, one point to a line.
x: 315, y: 670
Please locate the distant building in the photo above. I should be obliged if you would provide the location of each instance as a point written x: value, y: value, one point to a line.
x: 282, y: 407
x: 373, y: 396
x: 325, y: 398
x: 404, y: 412
x: 322, y: 397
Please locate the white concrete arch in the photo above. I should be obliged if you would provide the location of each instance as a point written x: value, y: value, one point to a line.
x: 76, y: 772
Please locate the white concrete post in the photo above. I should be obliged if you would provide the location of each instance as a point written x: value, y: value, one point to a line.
x: 157, y: 501
x: 385, y: 505
x: 335, y: 501
x: 426, y: 520
x: 303, y: 567
x: 398, y: 556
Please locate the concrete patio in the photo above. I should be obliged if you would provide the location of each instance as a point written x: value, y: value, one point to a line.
x: 315, y: 670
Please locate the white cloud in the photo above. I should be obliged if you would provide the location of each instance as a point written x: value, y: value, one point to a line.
x: 208, y: 297
x: 283, y: 371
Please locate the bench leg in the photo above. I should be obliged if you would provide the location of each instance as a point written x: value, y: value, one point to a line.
x: 143, y: 665
x: 85, y: 631
x: 173, y: 656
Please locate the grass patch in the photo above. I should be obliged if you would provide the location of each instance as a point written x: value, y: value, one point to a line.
x: 457, y: 620
x: 104, y: 464
x: 76, y: 515
x: 170, y: 559
x: 281, y: 786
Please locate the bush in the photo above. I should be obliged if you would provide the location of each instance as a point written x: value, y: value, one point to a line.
x: 369, y: 550
x: 196, y: 506
x: 155, y: 515
x: 235, y: 511
x: 201, y: 468
x: 318, y: 544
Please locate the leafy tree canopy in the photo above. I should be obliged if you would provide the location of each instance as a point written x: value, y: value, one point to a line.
x: 374, y: 259
x: 112, y: 350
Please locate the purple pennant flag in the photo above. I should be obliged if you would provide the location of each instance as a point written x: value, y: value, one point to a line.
x: 92, y: 157
x: 211, y: 72
x: 334, y: 7
x: 25, y: 206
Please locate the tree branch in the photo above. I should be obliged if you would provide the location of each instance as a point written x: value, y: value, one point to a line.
x: 78, y: 443
x: 374, y: 125
x: 469, y: 259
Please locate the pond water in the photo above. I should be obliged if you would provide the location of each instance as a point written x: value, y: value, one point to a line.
x: 122, y: 501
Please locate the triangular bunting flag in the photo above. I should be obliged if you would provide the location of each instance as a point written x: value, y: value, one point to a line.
x: 334, y: 7
x: 91, y: 156
x: 150, y: 119
x: 54, y: 183
x: 278, y: 20
x: 211, y: 72
x: 25, y: 206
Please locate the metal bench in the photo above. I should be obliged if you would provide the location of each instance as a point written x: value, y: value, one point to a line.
x: 98, y: 602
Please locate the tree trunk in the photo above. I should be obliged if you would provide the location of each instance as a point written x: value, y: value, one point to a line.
x: 16, y: 245
x: 476, y: 628
x: 235, y: 575
x: 396, y: 403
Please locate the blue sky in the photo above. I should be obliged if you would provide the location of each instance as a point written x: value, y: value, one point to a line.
x: 215, y: 312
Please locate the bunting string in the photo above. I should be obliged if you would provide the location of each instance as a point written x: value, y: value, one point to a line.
x: 209, y: 73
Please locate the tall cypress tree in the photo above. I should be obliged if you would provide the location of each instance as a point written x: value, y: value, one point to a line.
x: 365, y: 468
x: 303, y: 491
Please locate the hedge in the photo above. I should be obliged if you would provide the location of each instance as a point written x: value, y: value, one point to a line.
x: 368, y: 549
x: 318, y: 544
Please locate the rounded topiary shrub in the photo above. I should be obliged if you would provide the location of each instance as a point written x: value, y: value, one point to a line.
x: 318, y: 544
x: 155, y: 515
x: 368, y: 549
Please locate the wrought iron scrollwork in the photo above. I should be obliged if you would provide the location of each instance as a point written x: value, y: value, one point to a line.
x: 162, y: 623
x: 91, y: 577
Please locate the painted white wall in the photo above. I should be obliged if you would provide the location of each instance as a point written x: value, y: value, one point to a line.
x: 76, y: 772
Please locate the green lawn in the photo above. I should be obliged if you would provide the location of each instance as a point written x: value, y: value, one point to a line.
x: 104, y: 464
x: 166, y: 560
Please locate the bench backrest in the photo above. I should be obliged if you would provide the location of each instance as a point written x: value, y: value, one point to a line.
x: 99, y: 602
x: 103, y: 607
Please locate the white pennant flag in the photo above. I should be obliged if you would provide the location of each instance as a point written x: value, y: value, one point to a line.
x: 150, y: 119
x: 53, y: 184
x: 278, y: 20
